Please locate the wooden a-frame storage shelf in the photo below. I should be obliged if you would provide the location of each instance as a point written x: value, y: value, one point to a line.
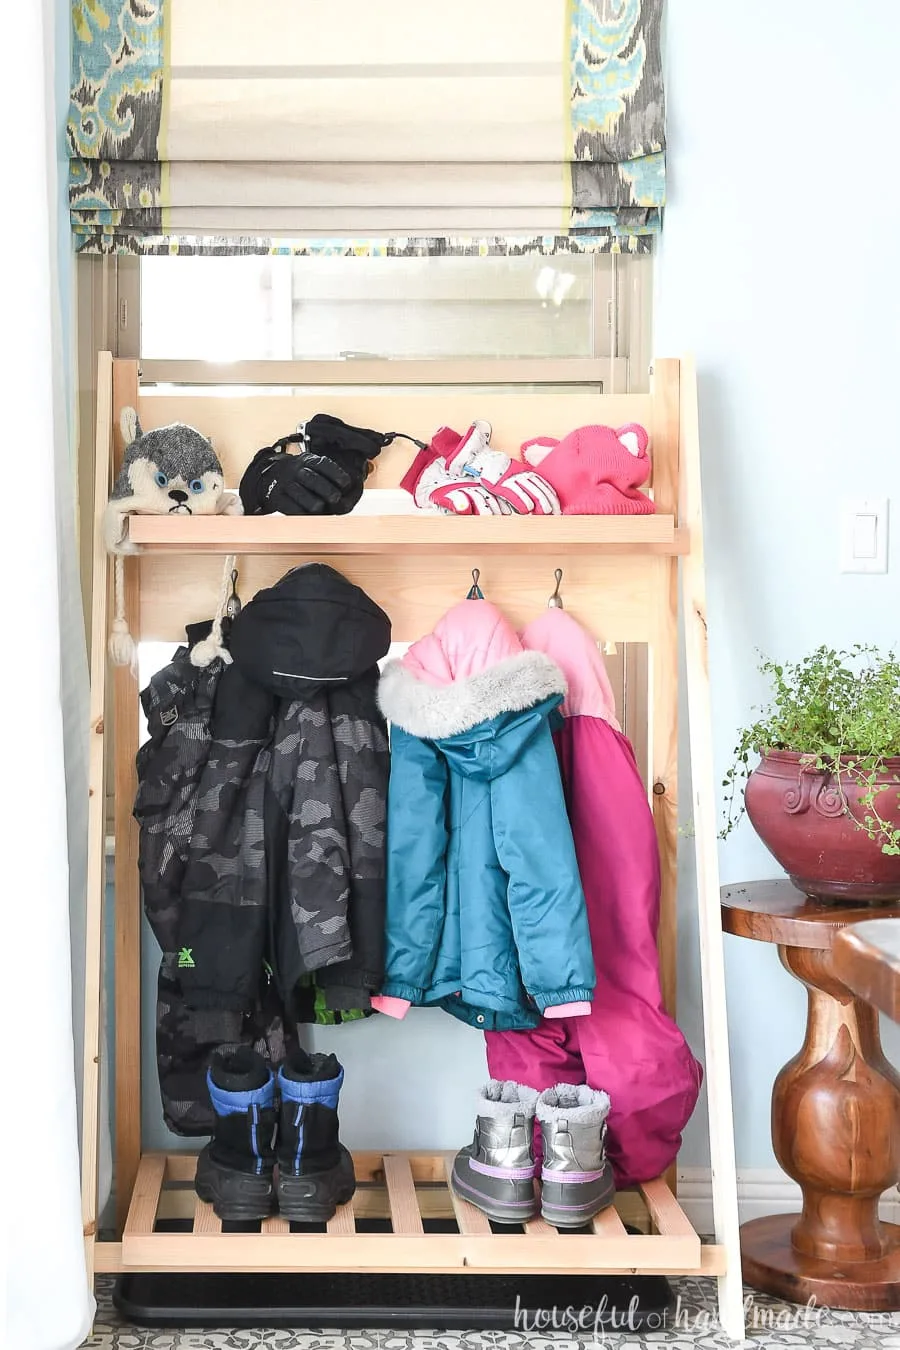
x: 621, y: 579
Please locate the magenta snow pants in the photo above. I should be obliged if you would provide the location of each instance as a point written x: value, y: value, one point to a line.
x: 627, y: 1045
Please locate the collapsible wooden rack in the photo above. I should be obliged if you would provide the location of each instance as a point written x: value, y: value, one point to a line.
x: 621, y: 580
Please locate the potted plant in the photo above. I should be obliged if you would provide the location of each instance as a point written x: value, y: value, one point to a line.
x: 825, y: 795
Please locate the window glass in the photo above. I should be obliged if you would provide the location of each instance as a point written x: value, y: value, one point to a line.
x: 283, y: 308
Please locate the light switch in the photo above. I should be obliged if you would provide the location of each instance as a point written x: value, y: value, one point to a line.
x: 864, y: 535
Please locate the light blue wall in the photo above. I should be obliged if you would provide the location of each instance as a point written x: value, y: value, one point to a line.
x: 779, y: 271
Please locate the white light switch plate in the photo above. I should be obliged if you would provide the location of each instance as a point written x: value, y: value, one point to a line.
x: 864, y: 534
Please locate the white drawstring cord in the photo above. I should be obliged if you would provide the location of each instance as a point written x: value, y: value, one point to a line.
x: 122, y: 646
x: 202, y: 653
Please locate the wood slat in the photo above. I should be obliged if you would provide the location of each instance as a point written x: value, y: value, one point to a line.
x: 109, y: 1260
x: 607, y: 1224
x: 667, y: 1215
x: 538, y: 1227
x: 206, y: 1220
x: 145, y: 1196
x: 576, y: 370
x: 468, y: 1218
x: 622, y: 602
x: 181, y: 1166
x: 422, y: 532
x: 96, y: 858
x: 368, y: 1165
x: 706, y: 823
x: 412, y: 1252
x: 127, y: 883
x: 405, y: 1216
x: 343, y: 1220
x: 275, y: 1224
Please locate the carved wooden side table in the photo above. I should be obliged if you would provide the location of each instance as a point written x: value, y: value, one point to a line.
x: 835, y: 1118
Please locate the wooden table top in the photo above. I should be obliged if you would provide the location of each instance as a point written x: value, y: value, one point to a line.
x: 866, y: 958
x: 775, y: 911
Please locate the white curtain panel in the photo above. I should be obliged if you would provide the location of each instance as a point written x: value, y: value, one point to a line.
x: 49, y: 1302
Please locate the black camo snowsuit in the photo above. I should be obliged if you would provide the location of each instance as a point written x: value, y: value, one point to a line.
x: 262, y: 812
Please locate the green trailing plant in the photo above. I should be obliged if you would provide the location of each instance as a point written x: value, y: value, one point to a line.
x: 840, y: 711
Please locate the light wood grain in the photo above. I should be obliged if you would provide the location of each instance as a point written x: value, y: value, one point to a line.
x: 96, y: 860
x: 109, y: 1260
x: 538, y: 1227
x: 712, y: 965
x: 599, y: 592
x: 127, y: 882
x: 343, y: 1220
x: 422, y: 533
x: 405, y: 1216
x: 667, y: 1215
x: 665, y: 434
x: 607, y: 1224
x: 239, y: 426
x: 409, y: 1252
x: 275, y: 1224
x: 206, y: 1220
x: 468, y: 1218
x: 390, y: 374
x: 145, y: 1196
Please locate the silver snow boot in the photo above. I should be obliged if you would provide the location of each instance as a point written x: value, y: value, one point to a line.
x: 496, y: 1171
x: 576, y: 1177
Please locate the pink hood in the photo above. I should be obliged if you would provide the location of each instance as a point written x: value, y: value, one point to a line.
x: 471, y: 636
x: 559, y: 636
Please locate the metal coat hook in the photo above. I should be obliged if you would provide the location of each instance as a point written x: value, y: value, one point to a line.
x: 233, y: 603
x: 475, y: 591
x: 555, y: 601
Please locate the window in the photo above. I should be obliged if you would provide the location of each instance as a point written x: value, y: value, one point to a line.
x: 337, y: 308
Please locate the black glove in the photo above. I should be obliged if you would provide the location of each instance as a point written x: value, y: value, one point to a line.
x: 327, y: 476
x: 296, y: 485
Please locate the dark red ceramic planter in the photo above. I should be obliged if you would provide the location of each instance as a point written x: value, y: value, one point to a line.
x: 802, y: 820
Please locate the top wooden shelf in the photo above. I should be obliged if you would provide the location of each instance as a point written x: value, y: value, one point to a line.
x: 422, y: 534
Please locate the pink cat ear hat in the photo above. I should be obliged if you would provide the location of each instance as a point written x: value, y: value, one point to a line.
x: 595, y: 470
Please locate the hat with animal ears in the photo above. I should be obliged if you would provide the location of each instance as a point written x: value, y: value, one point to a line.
x: 595, y: 470
x: 168, y: 470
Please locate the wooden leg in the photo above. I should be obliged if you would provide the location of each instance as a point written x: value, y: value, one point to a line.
x: 835, y: 1131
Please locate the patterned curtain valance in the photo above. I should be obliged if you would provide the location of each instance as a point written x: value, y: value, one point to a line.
x: 344, y: 126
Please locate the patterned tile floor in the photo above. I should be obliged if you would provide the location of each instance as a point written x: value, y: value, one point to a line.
x: 693, y: 1327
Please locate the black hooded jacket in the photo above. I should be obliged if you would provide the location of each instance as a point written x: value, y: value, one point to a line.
x: 286, y: 859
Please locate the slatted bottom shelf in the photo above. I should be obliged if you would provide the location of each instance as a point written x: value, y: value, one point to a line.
x: 169, y: 1228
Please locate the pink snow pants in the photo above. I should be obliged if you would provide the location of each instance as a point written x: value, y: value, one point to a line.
x: 627, y: 1045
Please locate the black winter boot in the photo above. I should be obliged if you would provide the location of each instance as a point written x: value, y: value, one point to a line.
x: 234, y: 1171
x: 315, y: 1171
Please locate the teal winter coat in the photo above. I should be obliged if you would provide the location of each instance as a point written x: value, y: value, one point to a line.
x: 485, y: 911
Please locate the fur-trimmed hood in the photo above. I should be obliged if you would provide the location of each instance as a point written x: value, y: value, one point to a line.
x: 469, y: 672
